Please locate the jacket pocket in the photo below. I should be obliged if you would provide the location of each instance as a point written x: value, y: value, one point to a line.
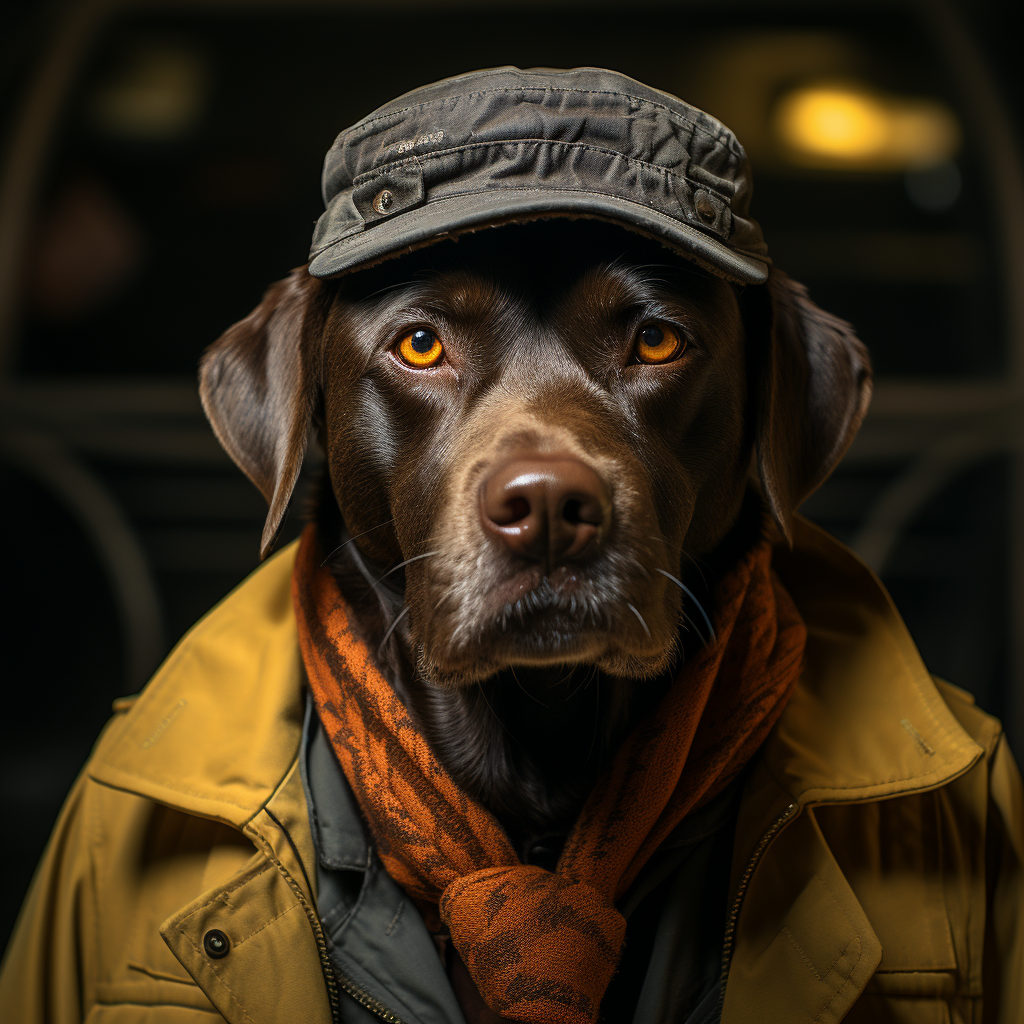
x: 874, y: 1008
x: 132, y: 1013
x: 152, y: 1000
x: 906, y: 997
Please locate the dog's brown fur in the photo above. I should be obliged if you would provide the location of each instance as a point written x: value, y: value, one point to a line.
x: 525, y: 676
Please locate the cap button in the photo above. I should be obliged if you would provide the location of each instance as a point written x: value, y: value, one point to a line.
x: 216, y: 944
x: 383, y: 200
x: 706, y: 209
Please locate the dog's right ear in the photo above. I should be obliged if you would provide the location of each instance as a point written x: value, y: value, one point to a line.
x: 258, y: 385
x: 811, y: 380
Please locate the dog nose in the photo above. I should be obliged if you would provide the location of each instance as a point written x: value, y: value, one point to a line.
x: 548, y: 509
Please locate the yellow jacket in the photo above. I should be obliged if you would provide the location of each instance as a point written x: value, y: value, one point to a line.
x: 878, y: 868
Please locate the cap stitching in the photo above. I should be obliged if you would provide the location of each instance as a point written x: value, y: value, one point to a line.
x: 384, y: 169
x: 725, y: 136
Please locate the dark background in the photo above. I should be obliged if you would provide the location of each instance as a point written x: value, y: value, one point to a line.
x: 161, y: 167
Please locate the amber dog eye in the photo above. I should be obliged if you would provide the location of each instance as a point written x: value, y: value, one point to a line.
x: 420, y: 348
x: 658, y: 343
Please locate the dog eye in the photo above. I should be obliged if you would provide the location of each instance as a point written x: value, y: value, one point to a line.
x: 658, y: 343
x: 420, y: 348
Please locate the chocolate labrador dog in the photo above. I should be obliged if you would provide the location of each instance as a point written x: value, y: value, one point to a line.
x: 544, y: 443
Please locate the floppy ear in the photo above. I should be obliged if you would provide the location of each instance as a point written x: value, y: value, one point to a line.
x: 257, y: 382
x: 812, y: 386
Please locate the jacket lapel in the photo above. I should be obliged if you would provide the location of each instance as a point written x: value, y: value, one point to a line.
x: 804, y: 949
x: 272, y: 972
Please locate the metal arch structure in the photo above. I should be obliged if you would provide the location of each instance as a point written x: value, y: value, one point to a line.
x: 934, y: 469
x: 972, y: 420
x: 112, y: 537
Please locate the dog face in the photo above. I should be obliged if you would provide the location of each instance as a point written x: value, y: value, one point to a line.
x: 546, y: 423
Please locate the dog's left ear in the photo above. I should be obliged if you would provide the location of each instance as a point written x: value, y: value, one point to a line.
x: 811, y: 385
x: 257, y: 382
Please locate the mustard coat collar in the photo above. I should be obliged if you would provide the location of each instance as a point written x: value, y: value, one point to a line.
x: 218, y: 727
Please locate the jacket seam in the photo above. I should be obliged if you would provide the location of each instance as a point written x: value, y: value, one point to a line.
x: 856, y: 938
x: 394, y: 921
x: 162, y: 1002
x: 158, y: 780
x: 923, y: 779
x: 849, y: 977
x: 298, y: 857
x: 266, y: 924
x: 221, y: 894
x: 309, y: 910
x: 803, y: 955
x: 149, y: 972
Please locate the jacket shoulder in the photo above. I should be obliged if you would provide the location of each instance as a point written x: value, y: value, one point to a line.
x: 117, y: 864
x: 217, y: 727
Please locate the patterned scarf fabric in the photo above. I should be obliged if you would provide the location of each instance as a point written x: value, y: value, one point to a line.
x: 542, y: 946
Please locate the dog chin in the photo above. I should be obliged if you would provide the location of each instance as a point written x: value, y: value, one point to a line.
x: 454, y: 669
x: 539, y: 620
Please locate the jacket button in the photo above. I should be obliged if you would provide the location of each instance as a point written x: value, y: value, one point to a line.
x: 216, y: 944
x: 384, y: 200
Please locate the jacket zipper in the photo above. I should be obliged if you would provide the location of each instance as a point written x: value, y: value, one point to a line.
x: 330, y: 975
x: 364, y: 999
x: 318, y: 934
x: 336, y: 978
x: 737, y: 902
x: 314, y: 920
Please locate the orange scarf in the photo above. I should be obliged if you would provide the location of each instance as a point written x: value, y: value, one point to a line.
x: 542, y: 946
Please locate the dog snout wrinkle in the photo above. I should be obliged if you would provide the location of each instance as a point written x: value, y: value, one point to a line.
x: 548, y: 510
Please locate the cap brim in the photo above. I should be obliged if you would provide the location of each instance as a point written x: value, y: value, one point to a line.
x: 443, y: 218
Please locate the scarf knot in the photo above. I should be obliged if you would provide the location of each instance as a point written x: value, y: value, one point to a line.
x: 560, y: 969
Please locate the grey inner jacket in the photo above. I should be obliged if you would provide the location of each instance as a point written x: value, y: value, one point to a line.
x: 381, y: 950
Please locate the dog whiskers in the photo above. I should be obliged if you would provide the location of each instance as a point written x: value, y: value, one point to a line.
x: 356, y: 537
x: 689, y: 593
x: 641, y: 618
x: 665, y: 544
x: 401, y: 565
x: 585, y: 681
x: 479, y: 686
x: 398, y: 618
x: 524, y: 689
x: 696, y: 566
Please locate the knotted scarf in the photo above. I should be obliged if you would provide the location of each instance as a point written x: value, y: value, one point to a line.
x: 542, y: 946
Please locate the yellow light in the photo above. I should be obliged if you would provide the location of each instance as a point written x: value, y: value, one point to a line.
x: 832, y: 123
x: 848, y: 126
